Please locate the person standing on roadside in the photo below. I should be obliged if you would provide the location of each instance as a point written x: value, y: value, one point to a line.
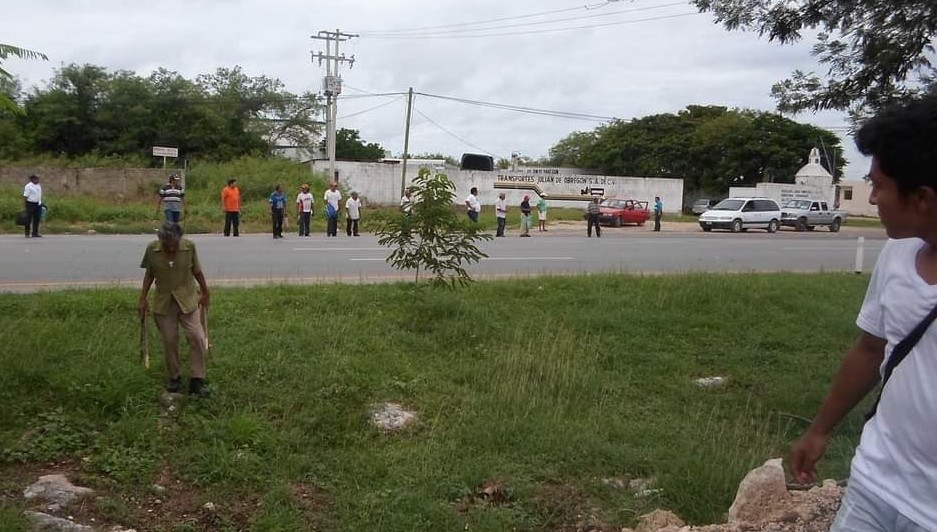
x: 406, y: 202
x: 332, y: 200
x: 172, y: 262
x: 501, y: 213
x: 658, y: 212
x: 304, y: 208
x: 593, y: 211
x: 542, y: 214
x: 472, y: 205
x: 277, y: 202
x: 525, y: 216
x: 32, y: 201
x: 231, y: 205
x: 353, y: 212
x: 893, y: 477
x: 172, y: 199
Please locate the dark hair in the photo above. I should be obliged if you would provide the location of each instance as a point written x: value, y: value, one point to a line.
x: 231, y: 181
x: 34, y: 176
x: 904, y: 141
x: 474, y: 190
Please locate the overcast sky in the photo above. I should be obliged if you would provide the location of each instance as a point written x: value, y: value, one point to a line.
x: 624, y: 59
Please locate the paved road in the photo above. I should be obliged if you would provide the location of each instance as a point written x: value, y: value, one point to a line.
x: 58, y: 261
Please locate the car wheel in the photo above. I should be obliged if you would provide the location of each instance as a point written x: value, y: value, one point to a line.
x: 811, y: 227
x: 773, y: 226
x: 617, y: 222
x: 706, y: 229
x: 801, y: 224
x: 736, y: 225
x: 834, y: 227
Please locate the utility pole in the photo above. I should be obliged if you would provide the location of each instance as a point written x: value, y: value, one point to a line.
x: 332, y: 85
x: 406, y: 144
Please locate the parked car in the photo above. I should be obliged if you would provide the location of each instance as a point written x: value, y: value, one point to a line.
x: 806, y: 214
x: 741, y: 214
x: 617, y: 212
x: 702, y: 205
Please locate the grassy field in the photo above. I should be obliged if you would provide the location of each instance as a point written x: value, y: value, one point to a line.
x: 529, y: 394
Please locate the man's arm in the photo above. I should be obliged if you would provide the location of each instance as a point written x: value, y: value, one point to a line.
x: 858, y: 375
x: 204, y: 298
x: 142, y: 305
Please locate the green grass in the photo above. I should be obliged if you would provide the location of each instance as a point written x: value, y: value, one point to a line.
x: 541, y: 386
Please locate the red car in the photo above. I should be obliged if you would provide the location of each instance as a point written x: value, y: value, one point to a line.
x: 617, y: 212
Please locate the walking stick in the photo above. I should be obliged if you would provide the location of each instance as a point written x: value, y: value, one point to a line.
x: 203, y: 316
x: 144, y: 341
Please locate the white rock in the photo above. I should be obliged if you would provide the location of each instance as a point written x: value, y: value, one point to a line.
x: 711, y: 382
x: 391, y: 417
x: 210, y: 506
x: 49, y: 522
x: 762, y: 492
x: 55, y: 489
x: 657, y: 520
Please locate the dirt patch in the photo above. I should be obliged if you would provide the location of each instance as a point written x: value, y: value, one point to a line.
x: 567, y: 509
x: 491, y: 493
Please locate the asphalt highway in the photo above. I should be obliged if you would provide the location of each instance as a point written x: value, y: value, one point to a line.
x: 64, y: 261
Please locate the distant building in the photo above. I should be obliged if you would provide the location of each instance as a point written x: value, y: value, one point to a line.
x: 812, y: 181
x: 853, y: 197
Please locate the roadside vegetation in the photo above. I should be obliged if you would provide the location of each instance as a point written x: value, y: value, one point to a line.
x: 534, y: 396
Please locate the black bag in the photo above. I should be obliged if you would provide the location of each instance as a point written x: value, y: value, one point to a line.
x: 22, y: 219
x: 900, y: 352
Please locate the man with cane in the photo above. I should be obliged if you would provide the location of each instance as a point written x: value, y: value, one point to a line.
x: 172, y: 262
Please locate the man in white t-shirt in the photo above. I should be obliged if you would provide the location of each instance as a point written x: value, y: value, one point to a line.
x: 353, y: 211
x: 32, y: 201
x: 501, y: 213
x: 406, y: 202
x: 332, y: 200
x: 472, y: 205
x: 893, y: 482
x: 304, y: 209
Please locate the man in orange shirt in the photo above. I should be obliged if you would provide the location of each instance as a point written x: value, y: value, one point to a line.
x: 231, y: 205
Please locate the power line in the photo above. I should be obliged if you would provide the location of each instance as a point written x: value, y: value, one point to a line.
x: 453, y: 135
x: 539, y: 22
x: 522, y: 109
x: 532, y: 32
x: 376, y: 107
x: 461, y: 24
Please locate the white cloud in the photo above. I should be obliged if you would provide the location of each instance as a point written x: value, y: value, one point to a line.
x: 628, y: 70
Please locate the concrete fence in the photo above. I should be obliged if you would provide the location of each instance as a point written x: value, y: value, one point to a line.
x: 107, y: 182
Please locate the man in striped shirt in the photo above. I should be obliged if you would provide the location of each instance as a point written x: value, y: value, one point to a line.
x: 171, y: 196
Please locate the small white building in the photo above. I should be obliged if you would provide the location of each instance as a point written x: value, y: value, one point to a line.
x: 853, y: 198
x: 812, y: 181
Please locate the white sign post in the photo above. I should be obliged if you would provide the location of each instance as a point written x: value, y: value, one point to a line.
x: 163, y: 151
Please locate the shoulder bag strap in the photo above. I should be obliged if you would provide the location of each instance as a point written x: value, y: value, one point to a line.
x: 901, y: 351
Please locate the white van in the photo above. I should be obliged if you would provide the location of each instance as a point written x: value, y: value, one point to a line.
x: 740, y: 214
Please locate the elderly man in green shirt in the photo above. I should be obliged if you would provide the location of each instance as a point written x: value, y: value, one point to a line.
x: 173, y: 263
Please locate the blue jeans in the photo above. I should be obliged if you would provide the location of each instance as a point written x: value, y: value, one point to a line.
x: 173, y: 216
x: 473, y: 216
x: 863, y: 511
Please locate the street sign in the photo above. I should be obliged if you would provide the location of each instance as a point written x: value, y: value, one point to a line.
x: 162, y: 151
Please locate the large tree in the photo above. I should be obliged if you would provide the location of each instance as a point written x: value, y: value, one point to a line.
x: 7, y: 100
x: 350, y: 146
x: 875, y: 51
x: 710, y: 147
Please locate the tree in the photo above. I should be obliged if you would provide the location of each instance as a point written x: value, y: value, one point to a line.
x: 7, y: 101
x: 433, y: 236
x: 350, y: 146
x: 710, y: 147
x: 876, y: 52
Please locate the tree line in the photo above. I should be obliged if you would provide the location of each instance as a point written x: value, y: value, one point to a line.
x: 710, y: 147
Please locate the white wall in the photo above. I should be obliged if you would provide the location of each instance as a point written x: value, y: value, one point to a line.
x: 859, y: 204
x: 782, y: 192
x: 380, y: 183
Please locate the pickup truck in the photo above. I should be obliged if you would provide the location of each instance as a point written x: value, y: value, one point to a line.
x: 804, y: 215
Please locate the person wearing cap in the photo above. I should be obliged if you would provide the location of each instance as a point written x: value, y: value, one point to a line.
x: 593, y: 211
x: 332, y: 198
x: 501, y: 213
x: 172, y: 199
x: 525, y: 216
x: 32, y: 200
x: 181, y: 290
x: 304, y: 208
x: 231, y: 205
x: 542, y: 213
x: 353, y: 213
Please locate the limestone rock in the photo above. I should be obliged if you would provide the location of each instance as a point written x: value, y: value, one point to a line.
x: 391, y: 417
x: 762, y: 492
x: 56, y: 490
x: 711, y: 382
x: 46, y: 522
x: 657, y: 520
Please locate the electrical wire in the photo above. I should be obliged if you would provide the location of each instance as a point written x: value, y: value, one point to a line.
x: 453, y: 135
x: 376, y: 107
x: 522, y: 109
x: 540, y: 22
x: 461, y: 24
x: 532, y: 32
